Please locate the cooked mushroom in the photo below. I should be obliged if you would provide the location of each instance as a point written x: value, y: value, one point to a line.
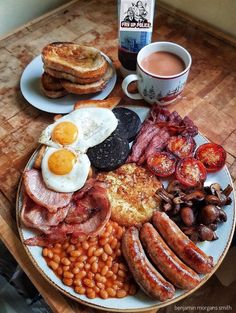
x: 228, y: 201
x: 191, y: 207
x: 188, y: 230
x: 207, y: 190
x: 205, y: 233
x: 222, y: 216
x: 212, y: 226
x: 179, y: 193
x: 191, y: 232
x: 222, y: 195
x: 209, y: 214
x: 227, y: 191
x: 211, y: 199
x: 167, y: 206
x: 187, y: 216
x: 175, y: 209
x: 163, y: 194
x: 173, y: 186
x: 188, y: 203
x: 198, y: 195
x: 194, y: 236
x: 215, y: 187
x: 178, y: 200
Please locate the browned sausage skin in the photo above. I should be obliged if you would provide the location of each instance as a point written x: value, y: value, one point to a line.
x: 167, y: 262
x: 146, y: 276
x: 181, y: 244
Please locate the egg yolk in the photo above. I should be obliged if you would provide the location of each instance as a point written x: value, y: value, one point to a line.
x: 65, y: 133
x: 61, y: 162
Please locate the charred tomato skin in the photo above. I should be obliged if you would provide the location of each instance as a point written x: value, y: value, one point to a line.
x: 162, y: 164
x: 190, y: 172
x: 181, y: 146
x: 212, y: 155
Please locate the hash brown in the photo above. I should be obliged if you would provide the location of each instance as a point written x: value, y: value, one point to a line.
x: 131, y: 192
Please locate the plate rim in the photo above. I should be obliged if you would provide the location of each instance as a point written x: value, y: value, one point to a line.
x: 114, y: 77
x: 98, y: 306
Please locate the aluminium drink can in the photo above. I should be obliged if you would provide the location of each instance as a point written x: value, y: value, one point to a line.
x: 135, y: 30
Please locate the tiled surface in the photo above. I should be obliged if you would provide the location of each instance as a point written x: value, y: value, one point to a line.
x: 209, y: 97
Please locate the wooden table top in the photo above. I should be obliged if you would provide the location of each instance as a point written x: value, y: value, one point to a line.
x: 209, y: 99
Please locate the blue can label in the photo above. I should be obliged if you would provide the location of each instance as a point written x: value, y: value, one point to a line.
x: 134, y: 41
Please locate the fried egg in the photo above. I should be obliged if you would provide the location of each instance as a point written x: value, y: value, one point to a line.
x: 81, y: 129
x: 64, y: 170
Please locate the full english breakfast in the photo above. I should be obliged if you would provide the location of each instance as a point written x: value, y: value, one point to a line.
x: 105, y: 220
x: 73, y: 68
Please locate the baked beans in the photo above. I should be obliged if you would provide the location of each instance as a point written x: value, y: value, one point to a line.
x: 93, y: 267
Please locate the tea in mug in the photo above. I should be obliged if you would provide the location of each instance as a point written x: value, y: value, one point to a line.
x: 163, y: 63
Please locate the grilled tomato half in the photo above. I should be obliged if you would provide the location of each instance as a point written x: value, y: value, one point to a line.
x: 190, y: 172
x: 181, y: 146
x: 162, y: 164
x: 212, y: 155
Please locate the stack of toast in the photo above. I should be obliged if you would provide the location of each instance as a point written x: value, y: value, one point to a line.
x: 73, y: 68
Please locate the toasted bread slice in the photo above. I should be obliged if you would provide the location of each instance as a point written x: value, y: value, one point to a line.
x: 52, y: 86
x: 56, y: 117
x: 82, y: 89
x: 74, y: 59
x: 131, y: 191
x: 54, y: 94
x: 39, y: 157
x: 109, y: 103
x: 69, y: 77
x: 51, y: 83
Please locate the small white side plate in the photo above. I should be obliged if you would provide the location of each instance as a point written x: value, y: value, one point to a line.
x: 30, y: 88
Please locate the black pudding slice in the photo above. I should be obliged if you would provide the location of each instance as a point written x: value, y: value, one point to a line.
x: 128, y: 123
x: 109, y: 154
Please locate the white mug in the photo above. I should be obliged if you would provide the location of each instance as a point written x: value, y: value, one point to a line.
x: 155, y: 88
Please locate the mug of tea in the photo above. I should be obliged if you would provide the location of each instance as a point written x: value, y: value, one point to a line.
x: 162, y: 72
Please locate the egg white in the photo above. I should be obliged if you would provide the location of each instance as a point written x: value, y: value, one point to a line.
x: 94, y: 126
x: 69, y: 182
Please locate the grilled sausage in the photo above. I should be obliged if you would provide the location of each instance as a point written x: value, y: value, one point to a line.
x: 181, y: 244
x: 146, y: 276
x: 167, y: 262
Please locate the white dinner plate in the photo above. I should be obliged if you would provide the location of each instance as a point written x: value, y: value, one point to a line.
x: 140, y: 301
x: 31, y: 90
